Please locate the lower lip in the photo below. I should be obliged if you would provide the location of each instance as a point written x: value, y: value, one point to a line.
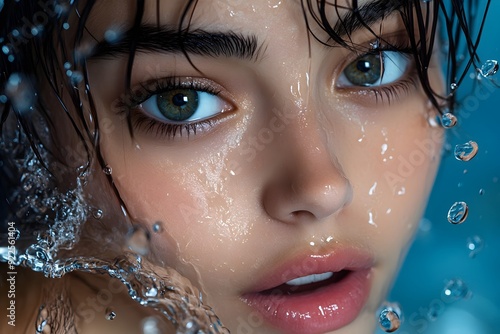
x: 326, y: 309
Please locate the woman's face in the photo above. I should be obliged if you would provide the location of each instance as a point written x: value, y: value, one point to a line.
x: 276, y: 158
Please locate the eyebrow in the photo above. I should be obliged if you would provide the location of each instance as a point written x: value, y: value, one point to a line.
x: 366, y: 15
x: 168, y: 39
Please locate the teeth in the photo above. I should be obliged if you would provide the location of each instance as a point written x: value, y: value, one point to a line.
x: 310, y: 279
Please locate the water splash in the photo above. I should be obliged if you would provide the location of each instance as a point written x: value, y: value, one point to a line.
x: 456, y: 289
x: 175, y: 298
x: 467, y: 151
x: 458, y: 213
x: 389, y: 318
x: 50, y: 219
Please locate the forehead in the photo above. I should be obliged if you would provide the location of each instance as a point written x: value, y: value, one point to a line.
x: 211, y: 13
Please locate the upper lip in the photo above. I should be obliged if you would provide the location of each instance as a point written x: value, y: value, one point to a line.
x: 334, y: 260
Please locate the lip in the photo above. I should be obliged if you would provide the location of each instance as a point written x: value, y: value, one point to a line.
x: 320, y: 310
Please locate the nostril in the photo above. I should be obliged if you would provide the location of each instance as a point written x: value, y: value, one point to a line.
x: 302, y: 215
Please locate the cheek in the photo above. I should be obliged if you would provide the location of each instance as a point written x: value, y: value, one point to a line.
x: 393, y: 173
x: 189, y: 189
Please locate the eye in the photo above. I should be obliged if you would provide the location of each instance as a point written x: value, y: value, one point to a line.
x: 375, y: 69
x: 184, y: 105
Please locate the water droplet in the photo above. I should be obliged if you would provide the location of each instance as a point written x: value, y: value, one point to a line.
x: 453, y: 86
x: 35, y: 30
x: 150, y: 326
x: 20, y: 92
x: 76, y: 77
x: 489, y: 68
x: 41, y: 320
x: 389, y: 317
x: 36, y: 258
x: 152, y: 292
x: 448, y: 120
x: 67, y: 65
x: 66, y: 26
x: 425, y: 225
x: 375, y: 45
x: 97, y: 214
x: 456, y: 289
x: 107, y: 170
x: 190, y: 326
x: 384, y: 148
x: 467, y: 151
x: 3, y: 99
x: 474, y: 244
x: 157, y: 227
x: 458, y: 213
x: 138, y: 241
x: 481, y: 192
x: 110, y: 314
x: 112, y: 35
x: 5, y: 49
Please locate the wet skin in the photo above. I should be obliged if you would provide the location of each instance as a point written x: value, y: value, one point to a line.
x: 296, y: 163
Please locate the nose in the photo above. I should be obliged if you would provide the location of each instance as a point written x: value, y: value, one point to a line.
x: 308, y: 184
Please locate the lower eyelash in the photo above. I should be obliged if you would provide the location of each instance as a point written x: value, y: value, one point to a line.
x: 394, y: 91
x: 166, y: 130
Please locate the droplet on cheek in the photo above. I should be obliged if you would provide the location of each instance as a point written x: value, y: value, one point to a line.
x: 158, y: 227
x: 110, y: 314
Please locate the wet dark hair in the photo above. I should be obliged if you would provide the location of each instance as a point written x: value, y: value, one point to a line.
x: 36, y: 43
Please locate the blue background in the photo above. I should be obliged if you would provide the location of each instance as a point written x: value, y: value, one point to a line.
x: 439, y: 252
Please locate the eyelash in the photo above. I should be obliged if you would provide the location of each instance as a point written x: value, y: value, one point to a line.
x: 131, y: 101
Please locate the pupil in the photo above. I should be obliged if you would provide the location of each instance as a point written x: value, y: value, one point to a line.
x: 364, y: 66
x: 180, y: 100
x: 178, y: 104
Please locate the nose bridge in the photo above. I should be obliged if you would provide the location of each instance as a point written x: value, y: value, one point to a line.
x: 310, y: 184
